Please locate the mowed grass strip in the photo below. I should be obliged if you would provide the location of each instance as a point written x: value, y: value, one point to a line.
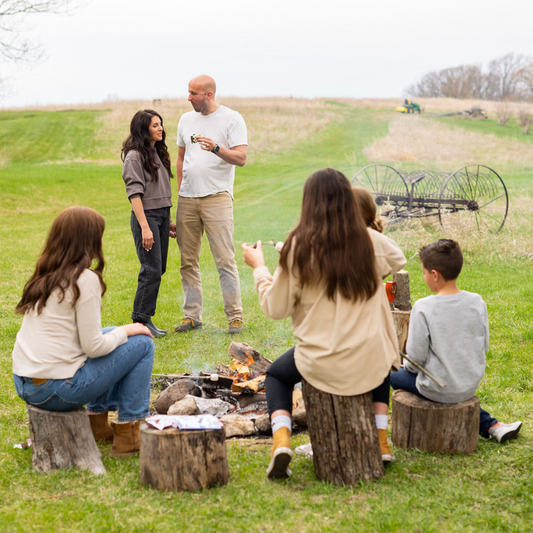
x: 491, y: 489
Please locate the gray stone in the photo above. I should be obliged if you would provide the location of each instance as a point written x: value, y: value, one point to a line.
x: 176, y: 392
x: 213, y: 406
x: 187, y: 406
x: 237, y: 426
x: 262, y: 423
x: 299, y: 417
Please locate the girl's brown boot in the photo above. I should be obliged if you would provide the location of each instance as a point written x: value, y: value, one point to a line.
x: 101, y: 429
x: 126, y: 440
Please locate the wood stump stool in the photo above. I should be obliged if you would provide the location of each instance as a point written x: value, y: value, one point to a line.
x: 63, y: 440
x: 401, y: 322
x: 432, y: 426
x: 176, y: 460
x: 343, y: 435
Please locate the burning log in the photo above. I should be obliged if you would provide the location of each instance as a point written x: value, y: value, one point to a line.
x: 249, y: 356
x: 237, y: 389
x: 252, y: 386
x: 241, y: 401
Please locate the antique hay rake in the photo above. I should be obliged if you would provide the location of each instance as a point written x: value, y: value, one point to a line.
x: 476, y: 193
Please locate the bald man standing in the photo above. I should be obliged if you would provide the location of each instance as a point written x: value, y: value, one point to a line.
x: 212, y: 139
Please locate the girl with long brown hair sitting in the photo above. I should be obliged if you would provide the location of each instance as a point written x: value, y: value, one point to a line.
x: 62, y: 358
x: 329, y: 282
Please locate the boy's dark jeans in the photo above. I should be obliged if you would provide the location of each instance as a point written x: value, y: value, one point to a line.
x: 153, y: 262
x: 405, y: 380
x: 282, y: 375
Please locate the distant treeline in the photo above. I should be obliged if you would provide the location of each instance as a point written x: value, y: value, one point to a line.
x: 507, y: 78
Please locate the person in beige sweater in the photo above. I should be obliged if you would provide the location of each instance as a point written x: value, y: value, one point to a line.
x: 62, y: 358
x: 329, y: 282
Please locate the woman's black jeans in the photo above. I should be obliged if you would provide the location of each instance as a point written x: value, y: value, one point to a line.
x: 153, y: 262
x: 282, y: 375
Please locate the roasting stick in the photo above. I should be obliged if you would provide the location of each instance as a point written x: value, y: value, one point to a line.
x: 423, y: 370
x: 211, y: 377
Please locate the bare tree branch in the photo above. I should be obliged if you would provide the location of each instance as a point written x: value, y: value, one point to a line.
x: 508, y: 78
x: 13, y: 14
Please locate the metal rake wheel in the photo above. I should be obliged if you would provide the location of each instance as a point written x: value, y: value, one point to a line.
x: 478, y: 196
x: 388, y: 187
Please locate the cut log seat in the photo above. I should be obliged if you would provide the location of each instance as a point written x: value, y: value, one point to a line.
x: 432, y: 426
x: 63, y: 440
x: 176, y: 460
x: 401, y: 322
x: 343, y: 435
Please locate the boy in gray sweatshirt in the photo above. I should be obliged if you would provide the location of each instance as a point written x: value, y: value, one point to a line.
x: 449, y: 336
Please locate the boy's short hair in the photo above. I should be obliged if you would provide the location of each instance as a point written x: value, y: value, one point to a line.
x: 444, y: 256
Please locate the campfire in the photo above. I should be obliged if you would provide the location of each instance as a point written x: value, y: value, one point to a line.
x: 235, y: 393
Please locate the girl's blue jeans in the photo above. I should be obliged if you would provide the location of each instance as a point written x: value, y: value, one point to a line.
x: 405, y: 380
x: 119, y: 381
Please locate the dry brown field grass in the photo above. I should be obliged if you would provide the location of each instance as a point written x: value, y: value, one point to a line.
x: 278, y: 123
x: 420, y: 140
x: 274, y: 124
x: 518, y: 231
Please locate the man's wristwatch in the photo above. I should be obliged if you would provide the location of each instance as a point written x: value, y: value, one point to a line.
x: 216, y: 149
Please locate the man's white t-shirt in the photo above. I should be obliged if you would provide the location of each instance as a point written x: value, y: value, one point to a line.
x: 204, y: 173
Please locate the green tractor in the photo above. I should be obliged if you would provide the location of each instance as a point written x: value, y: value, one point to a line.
x: 409, y: 107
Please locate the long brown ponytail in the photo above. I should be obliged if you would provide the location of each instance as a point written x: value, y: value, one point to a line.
x: 331, y: 244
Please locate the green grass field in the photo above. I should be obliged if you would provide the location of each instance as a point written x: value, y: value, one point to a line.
x: 489, y: 490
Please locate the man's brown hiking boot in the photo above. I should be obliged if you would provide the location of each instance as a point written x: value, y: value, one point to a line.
x: 187, y: 324
x: 235, y: 326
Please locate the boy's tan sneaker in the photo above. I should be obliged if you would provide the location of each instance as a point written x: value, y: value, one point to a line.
x: 386, y: 453
x: 281, y: 455
x: 187, y: 324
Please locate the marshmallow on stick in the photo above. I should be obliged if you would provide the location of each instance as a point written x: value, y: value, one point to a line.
x: 277, y: 245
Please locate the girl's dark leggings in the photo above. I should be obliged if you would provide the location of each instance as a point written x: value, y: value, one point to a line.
x: 282, y: 375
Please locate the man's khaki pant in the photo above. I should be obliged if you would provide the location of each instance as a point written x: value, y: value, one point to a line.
x: 214, y: 214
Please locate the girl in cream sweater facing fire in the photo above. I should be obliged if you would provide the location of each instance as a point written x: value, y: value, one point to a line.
x: 331, y: 266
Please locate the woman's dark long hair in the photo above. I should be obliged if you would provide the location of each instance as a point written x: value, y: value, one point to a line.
x: 140, y: 138
x: 74, y: 241
x: 331, y: 244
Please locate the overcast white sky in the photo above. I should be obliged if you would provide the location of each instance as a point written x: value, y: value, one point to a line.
x: 151, y: 48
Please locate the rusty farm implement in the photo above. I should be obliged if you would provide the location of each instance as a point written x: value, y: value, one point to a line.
x: 474, y: 193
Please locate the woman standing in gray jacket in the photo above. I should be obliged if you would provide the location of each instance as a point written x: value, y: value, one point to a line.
x: 147, y: 176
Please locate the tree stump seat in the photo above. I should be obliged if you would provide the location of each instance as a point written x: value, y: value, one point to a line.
x: 63, y: 439
x: 432, y: 426
x: 343, y: 436
x: 178, y: 460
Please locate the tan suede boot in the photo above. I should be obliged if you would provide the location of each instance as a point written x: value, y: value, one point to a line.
x: 386, y: 453
x: 126, y: 441
x: 281, y: 454
x: 102, y: 431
